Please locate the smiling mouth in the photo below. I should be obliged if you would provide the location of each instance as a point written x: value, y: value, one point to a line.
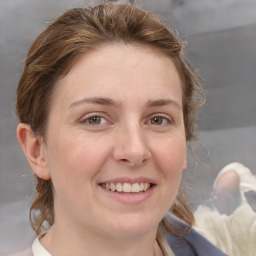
x: 127, y: 187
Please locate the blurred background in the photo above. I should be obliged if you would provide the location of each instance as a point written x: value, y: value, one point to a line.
x: 221, y: 38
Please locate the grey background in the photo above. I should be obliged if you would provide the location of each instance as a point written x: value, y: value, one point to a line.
x: 221, y: 38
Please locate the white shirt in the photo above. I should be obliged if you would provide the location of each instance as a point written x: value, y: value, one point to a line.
x: 38, y: 249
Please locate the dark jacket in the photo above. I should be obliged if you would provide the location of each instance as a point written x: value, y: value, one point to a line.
x: 192, y: 244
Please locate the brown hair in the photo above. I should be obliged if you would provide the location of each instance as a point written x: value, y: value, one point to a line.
x: 77, y: 32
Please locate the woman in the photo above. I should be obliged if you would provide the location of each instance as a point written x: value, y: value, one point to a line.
x: 106, y: 105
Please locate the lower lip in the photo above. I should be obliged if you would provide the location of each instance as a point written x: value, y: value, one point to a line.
x: 130, y: 198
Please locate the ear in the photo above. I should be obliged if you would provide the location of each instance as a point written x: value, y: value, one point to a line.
x: 34, y: 149
x: 185, y: 165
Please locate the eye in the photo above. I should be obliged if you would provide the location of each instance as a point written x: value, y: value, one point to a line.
x: 159, y: 120
x: 94, y: 120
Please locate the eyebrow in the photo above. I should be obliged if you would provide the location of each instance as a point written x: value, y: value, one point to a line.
x: 163, y: 102
x: 109, y: 102
x: 97, y: 100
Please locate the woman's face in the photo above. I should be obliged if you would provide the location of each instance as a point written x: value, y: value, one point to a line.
x: 115, y: 141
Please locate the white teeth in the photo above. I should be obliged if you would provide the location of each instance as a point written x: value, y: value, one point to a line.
x: 135, y: 187
x: 112, y: 187
x: 126, y: 187
x: 119, y: 187
x: 146, y: 186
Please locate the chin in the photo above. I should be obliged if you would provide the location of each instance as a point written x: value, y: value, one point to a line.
x: 132, y: 226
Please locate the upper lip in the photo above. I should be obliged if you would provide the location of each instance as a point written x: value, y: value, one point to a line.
x: 129, y: 180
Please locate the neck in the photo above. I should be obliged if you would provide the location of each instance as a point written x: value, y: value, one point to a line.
x: 66, y: 241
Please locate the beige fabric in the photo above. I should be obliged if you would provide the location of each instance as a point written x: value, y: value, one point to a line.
x: 234, y: 234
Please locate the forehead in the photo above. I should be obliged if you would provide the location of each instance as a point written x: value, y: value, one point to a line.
x: 126, y: 55
x: 118, y: 67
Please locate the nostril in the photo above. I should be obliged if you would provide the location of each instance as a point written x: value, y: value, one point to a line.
x: 124, y: 160
x: 132, y: 162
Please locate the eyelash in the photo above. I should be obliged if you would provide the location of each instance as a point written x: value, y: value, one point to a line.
x: 86, y: 119
x: 166, y: 120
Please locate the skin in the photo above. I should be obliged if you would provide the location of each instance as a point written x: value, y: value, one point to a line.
x: 135, y: 94
x: 228, y: 181
x: 227, y: 192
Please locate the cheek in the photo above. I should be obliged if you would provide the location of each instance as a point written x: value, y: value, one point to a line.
x: 172, y: 155
x: 171, y: 159
x: 75, y: 160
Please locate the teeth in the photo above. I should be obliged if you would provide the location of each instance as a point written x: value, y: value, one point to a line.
x: 146, y: 186
x: 112, y: 187
x: 119, y: 187
x: 126, y: 187
x: 135, y: 187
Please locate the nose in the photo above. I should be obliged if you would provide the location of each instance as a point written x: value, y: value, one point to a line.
x: 131, y: 146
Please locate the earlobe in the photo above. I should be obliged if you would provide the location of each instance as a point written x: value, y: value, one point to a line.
x: 34, y: 150
x: 185, y: 165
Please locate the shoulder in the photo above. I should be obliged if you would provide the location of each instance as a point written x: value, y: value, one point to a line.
x: 192, y: 243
